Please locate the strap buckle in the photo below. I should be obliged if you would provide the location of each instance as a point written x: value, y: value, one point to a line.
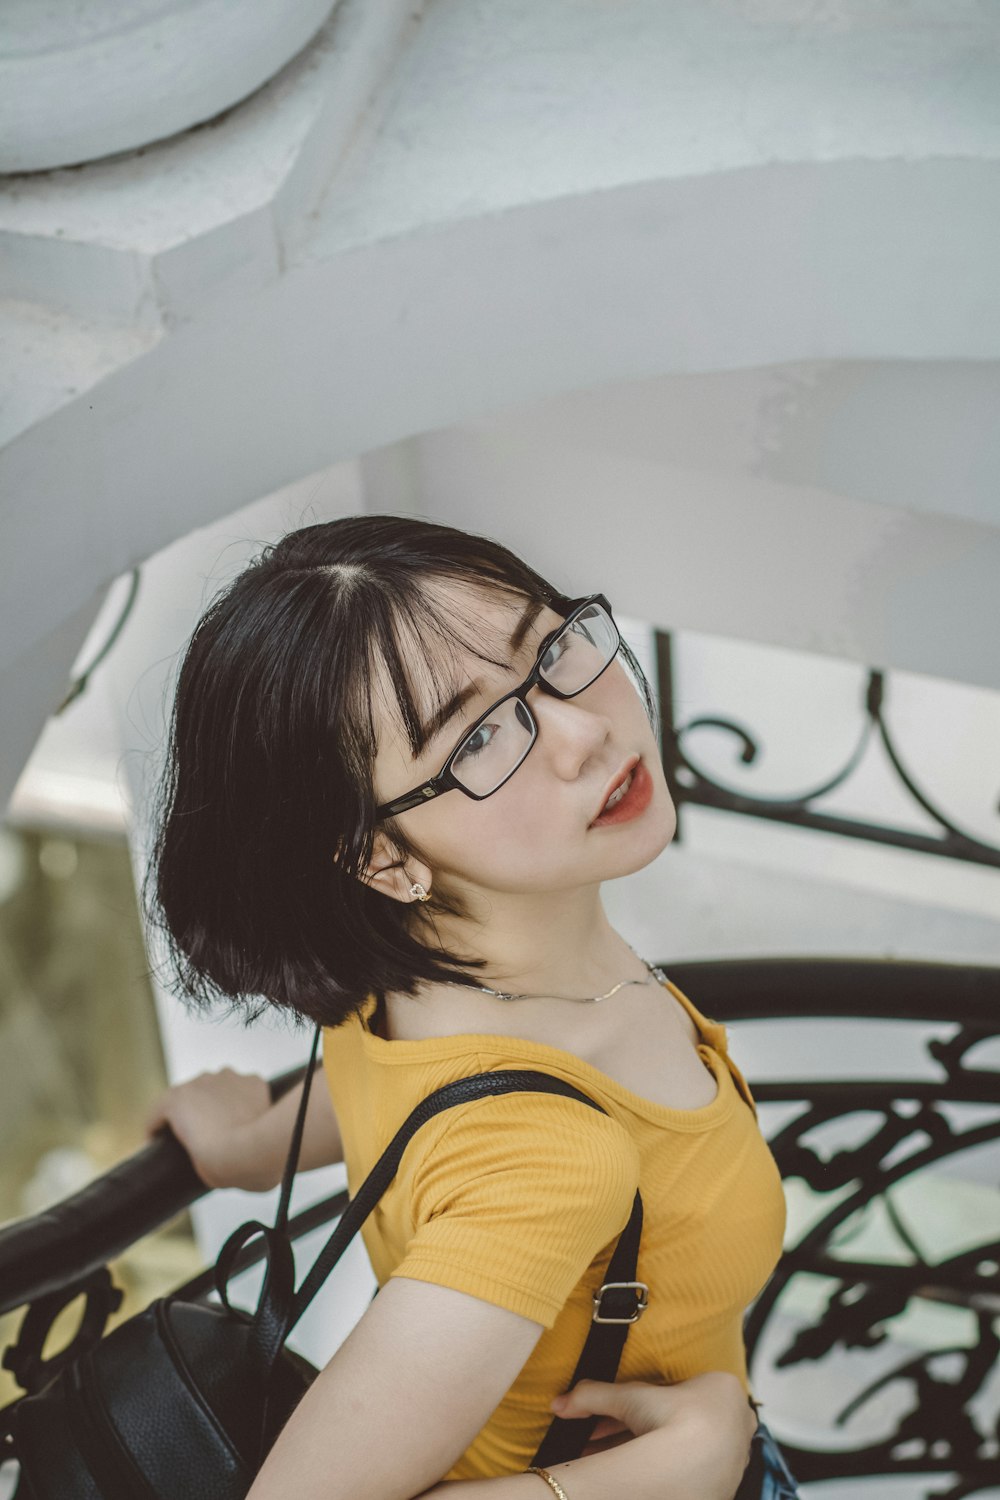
x: 639, y: 1288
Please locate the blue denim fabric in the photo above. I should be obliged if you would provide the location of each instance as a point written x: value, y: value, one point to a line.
x: 779, y: 1483
x: 767, y: 1476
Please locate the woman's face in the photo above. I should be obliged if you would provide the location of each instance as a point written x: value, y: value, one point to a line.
x: 535, y: 833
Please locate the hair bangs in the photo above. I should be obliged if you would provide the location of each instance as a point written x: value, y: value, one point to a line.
x: 417, y: 664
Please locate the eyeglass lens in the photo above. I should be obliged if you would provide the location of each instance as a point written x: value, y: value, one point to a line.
x: 577, y: 655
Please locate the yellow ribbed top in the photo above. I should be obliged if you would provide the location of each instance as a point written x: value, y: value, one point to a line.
x: 520, y: 1200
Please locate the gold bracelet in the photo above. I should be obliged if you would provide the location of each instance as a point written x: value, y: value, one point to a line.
x: 550, y: 1480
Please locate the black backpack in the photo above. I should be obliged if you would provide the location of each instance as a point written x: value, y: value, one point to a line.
x: 187, y: 1397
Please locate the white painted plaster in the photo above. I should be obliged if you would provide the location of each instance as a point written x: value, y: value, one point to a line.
x: 38, y: 681
x: 542, y: 290
x: 733, y: 554
x: 484, y: 114
x: 112, y: 223
x: 918, y: 436
x: 81, y: 82
x: 336, y: 358
x: 71, y: 780
x: 49, y: 360
x: 531, y: 101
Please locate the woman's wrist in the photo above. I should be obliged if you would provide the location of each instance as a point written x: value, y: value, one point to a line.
x: 644, y: 1468
x: 254, y: 1156
x: 683, y: 1459
x: 260, y: 1148
x: 551, y: 1481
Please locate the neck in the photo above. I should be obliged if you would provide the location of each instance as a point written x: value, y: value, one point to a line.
x: 559, y: 944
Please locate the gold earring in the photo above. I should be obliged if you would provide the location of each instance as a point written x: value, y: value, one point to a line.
x: 418, y: 892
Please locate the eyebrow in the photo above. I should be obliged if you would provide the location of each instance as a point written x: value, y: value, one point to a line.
x: 457, y: 702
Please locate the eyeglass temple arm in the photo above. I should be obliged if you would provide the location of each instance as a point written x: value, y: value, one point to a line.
x: 412, y: 799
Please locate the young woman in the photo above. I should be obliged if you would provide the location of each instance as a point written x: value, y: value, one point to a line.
x: 402, y: 764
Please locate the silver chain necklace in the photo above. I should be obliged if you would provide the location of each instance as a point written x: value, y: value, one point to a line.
x: 655, y: 974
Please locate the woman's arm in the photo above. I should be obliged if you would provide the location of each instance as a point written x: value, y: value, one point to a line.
x: 692, y: 1442
x: 236, y: 1137
x: 419, y: 1376
x: 271, y: 1135
x: 663, y: 1465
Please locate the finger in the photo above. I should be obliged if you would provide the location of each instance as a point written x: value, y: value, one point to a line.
x: 592, y: 1397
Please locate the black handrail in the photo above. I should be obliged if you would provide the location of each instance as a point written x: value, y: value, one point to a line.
x: 739, y: 989
x: 70, y: 1239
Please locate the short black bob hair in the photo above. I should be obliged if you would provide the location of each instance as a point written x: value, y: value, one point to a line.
x: 265, y: 814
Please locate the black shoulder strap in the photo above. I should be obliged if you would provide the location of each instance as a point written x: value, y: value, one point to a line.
x: 616, y: 1307
x: 605, y: 1341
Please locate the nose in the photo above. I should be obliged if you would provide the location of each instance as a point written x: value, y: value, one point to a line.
x: 570, y: 731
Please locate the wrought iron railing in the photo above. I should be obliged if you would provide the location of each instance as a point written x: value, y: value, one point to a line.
x: 691, y: 783
x: 898, y: 1395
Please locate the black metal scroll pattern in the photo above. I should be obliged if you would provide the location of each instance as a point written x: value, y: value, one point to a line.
x: 938, y: 1434
x: 698, y: 787
x: 25, y: 1358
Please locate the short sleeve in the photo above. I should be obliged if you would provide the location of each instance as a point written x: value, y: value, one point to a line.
x: 719, y: 1039
x: 516, y: 1196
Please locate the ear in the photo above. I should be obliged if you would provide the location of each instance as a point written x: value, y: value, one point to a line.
x: 387, y: 873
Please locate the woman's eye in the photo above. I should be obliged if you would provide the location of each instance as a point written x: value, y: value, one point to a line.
x: 479, y: 741
x: 559, y: 646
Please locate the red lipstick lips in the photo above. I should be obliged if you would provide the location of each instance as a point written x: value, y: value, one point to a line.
x: 634, y: 801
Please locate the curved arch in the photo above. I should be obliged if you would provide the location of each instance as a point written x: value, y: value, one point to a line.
x: 358, y: 345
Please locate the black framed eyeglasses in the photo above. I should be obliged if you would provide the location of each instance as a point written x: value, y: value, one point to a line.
x: 570, y: 659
